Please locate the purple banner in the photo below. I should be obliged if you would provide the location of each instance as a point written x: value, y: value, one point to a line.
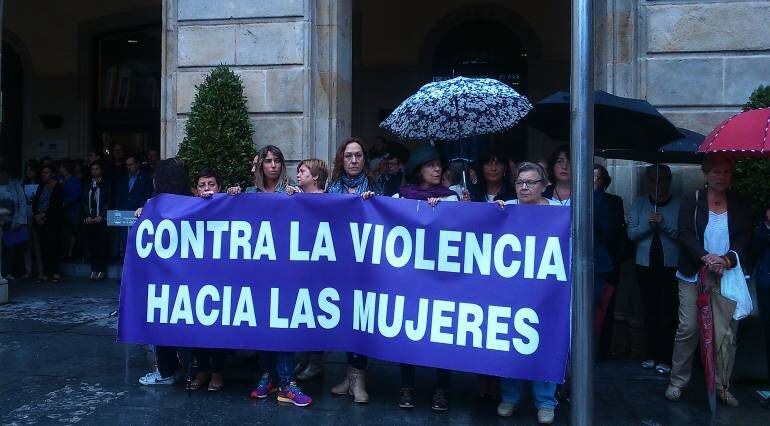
x: 461, y: 286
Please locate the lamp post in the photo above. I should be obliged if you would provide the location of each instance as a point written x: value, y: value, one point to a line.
x: 581, y: 150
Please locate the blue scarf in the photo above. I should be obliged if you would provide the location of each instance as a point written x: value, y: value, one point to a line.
x: 343, y: 185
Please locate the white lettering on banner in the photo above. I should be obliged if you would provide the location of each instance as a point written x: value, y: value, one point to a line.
x: 192, y: 240
x: 491, y: 327
x: 244, y: 311
x: 294, y: 252
x: 239, y: 241
x: 526, y: 330
x: 445, y: 322
x: 363, y: 311
x: 325, y: 299
x: 538, y: 258
x: 275, y: 319
x: 303, y: 310
x: 159, y: 303
x: 207, y: 291
x: 265, y: 245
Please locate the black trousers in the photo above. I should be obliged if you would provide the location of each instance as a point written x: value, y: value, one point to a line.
x: 50, y: 243
x: 97, y: 244
x: 210, y: 360
x: 443, y: 377
x: 167, y: 361
x: 763, y: 296
x: 660, y: 301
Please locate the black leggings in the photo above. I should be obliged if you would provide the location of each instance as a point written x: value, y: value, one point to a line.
x: 443, y: 377
x: 357, y: 361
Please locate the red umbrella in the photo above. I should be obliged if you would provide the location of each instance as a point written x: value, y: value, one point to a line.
x: 706, y: 328
x: 745, y: 134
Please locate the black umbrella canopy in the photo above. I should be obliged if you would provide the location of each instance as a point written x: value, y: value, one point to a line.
x: 619, y: 123
x: 681, y: 151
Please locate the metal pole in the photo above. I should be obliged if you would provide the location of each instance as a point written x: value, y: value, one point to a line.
x: 582, y: 151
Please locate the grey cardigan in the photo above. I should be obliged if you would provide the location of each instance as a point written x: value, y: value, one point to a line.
x: 640, y: 232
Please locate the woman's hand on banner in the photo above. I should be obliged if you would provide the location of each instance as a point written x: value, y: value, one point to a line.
x: 234, y: 190
x: 367, y: 195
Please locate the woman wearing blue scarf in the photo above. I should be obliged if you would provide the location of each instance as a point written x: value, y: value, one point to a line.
x: 351, y: 171
x: 351, y: 176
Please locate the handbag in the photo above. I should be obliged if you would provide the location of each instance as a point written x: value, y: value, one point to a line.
x: 734, y: 287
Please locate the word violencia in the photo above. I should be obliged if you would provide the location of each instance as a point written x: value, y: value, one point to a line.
x: 437, y: 321
x: 455, y: 251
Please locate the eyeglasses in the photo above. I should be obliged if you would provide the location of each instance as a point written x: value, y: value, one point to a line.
x: 529, y: 184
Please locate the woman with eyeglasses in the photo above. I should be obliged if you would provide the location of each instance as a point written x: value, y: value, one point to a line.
x: 351, y: 176
x: 530, y: 183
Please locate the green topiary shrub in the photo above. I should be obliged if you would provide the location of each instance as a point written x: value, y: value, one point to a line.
x: 219, y: 133
x: 752, y: 175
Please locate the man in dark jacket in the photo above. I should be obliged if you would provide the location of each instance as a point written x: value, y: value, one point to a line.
x: 131, y: 192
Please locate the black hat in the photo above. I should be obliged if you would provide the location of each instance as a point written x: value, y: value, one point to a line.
x: 423, y: 155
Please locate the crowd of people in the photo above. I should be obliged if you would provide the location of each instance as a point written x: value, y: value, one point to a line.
x: 57, y: 211
x: 676, y: 243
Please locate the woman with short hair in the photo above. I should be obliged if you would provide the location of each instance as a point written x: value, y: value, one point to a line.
x: 715, y: 232
x: 530, y: 182
x: 652, y: 226
x: 312, y: 174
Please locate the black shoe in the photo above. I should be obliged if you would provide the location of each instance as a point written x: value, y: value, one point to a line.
x: 440, y: 402
x: 406, y: 399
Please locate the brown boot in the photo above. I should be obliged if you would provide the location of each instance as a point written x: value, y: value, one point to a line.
x: 344, y: 387
x: 358, y: 385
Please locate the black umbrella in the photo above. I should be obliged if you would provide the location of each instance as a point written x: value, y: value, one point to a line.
x: 683, y: 150
x: 619, y: 123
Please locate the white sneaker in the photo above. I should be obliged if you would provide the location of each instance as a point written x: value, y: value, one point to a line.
x: 663, y: 369
x: 650, y: 363
x: 505, y: 409
x: 154, y: 378
x: 3, y: 281
x: 545, y: 416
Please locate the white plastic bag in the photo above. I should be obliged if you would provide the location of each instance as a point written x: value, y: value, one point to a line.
x: 734, y: 287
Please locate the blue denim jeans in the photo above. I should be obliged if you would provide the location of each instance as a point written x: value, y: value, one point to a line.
x: 544, y: 393
x: 280, y: 364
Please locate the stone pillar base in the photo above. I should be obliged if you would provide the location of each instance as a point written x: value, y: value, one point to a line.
x: 3, y: 293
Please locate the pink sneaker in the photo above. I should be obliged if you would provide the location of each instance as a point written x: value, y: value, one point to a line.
x: 293, y: 394
x: 264, y: 388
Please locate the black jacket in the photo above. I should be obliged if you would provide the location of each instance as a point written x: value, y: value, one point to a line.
x: 137, y: 196
x: 693, y: 218
x: 105, y: 200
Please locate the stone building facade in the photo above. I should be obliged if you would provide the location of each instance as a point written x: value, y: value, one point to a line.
x: 316, y: 71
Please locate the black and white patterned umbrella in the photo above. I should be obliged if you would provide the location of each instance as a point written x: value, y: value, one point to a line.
x: 458, y: 108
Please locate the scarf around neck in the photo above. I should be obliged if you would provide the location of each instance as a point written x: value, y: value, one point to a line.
x: 414, y: 192
x: 343, y: 185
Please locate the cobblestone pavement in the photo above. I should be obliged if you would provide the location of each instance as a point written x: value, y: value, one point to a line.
x: 61, y: 365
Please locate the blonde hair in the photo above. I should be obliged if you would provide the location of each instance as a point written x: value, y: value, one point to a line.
x: 317, y: 168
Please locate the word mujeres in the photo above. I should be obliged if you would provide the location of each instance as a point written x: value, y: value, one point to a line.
x: 453, y: 251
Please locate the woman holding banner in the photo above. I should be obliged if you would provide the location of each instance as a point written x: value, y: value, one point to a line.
x: 311, y: 179
x: 423, y: 174
x: 269, y: 169
x: 169, y: 177
x: 351, y: 176
x: 530, y: 183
